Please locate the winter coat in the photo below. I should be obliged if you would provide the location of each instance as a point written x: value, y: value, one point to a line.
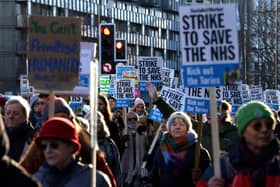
x: 73, y: 175
x: 20, y: 138
x: 240, y: 167
x: 133, y: 155
x: 112, y: 156
x: 114, y: 133
x: 161, y: 175
x: 228, y: 135
x: 12, y: 174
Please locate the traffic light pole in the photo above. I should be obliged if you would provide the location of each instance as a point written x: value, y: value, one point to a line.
x: 276, y: 46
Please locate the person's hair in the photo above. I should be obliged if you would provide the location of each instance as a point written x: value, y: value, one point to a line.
x: 108, y: 116
x: 41, y: 95
x: 104, y: 130
x: 112, y: 97
x: 225, y: 107
x: 23, y: 104
x: 225, y: 110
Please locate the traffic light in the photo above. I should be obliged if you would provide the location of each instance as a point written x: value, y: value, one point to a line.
x: 107, y: 48
x: 120, y: 49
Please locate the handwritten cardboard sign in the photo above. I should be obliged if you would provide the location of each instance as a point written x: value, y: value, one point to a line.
x: 54, y: 52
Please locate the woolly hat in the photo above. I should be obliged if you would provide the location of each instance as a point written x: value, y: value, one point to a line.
x: 251, y: 111
x: 180, y: 115
x: 139, y: 101
x: 60, y: 105
x: 59, y: 128
x: 33, y: 100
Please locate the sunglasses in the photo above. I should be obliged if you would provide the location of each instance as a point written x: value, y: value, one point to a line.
x: 130, y: 119
x: 51, y: 145
x: 258, y: 125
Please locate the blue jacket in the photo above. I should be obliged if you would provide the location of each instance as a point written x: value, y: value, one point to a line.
x: 73, y: 175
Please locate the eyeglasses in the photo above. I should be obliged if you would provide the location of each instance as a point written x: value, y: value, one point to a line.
x: 51, y: 145
x: 130, y: 119
x: 258, y: 125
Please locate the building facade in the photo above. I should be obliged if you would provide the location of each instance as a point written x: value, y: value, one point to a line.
x: 151, y: 28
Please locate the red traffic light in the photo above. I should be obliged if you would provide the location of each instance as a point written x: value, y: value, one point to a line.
x: 119, y: 45
x: 120, y: 49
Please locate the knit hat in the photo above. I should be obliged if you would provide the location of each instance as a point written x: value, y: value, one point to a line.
x: 33, y: 100
x: 180, y: 115
x: 60, y: 105
x: 251, y: 111
x: 59, y: 128
x: 139, y: 101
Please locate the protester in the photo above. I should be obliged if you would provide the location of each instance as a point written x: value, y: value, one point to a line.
x: 38, y: 104
x: 12, y: 174
x: 140, y: 108
x: 110, y: 149
x: 20, y: 131
x: 34, y: 117
x: 58, y: 141
x: 253, y: 161
x: 33, y: 159
x: 134, y: 151
x: 117, y: 117
x: 227, y: 130
x: 104, y: 108
x: 173, y: 163
x: 148, y: 126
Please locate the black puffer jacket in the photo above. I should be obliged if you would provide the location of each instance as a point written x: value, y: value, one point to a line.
x: 12, y: 174
x: 19, y: 138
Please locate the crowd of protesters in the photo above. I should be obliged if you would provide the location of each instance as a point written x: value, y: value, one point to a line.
x: 40, y: 150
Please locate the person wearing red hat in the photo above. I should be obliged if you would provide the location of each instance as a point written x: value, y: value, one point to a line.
x: 58, y: 140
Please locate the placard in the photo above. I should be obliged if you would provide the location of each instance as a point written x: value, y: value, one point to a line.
x: 149, y: 70
x: 53, y: 51
x: 125, y: 93
x: 209, y: 45
x: 173, y: 97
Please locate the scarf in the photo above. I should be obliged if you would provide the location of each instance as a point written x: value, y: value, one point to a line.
x: 134, y: 152
x: 174, y: 152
